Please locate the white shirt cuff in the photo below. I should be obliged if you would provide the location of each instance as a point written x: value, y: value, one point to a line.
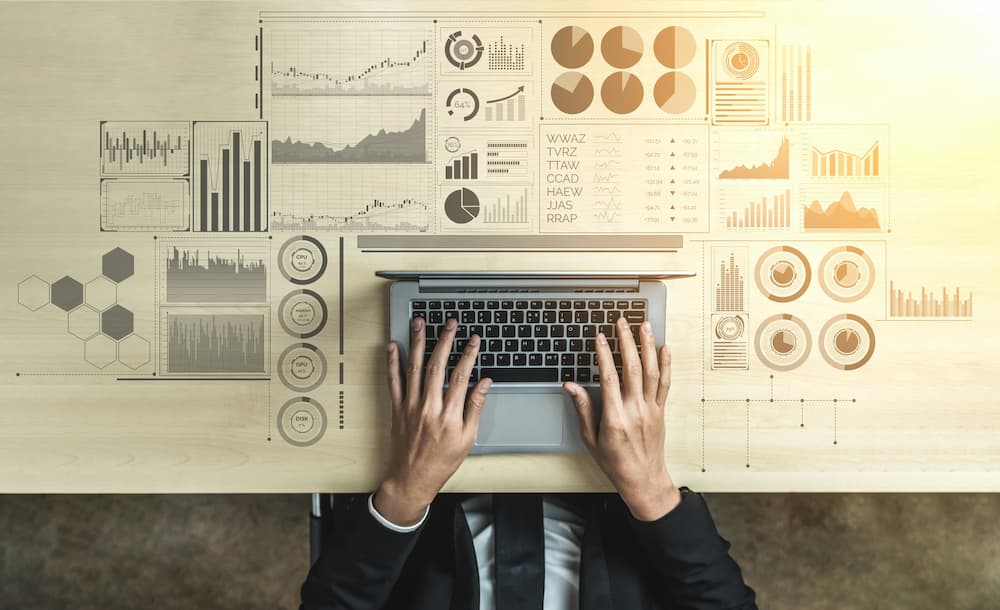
x: 402, y: 529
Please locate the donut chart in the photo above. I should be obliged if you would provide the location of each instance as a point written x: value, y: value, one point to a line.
x: 302, y: 421
x: 847, y: 342
x: 302, y: 313
x: 782, y: 342
x: 302, y: 259
x: 302, y: 367
x: 846, y: 274
x: 783, y: 274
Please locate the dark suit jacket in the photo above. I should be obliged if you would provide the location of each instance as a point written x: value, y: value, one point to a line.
x: 679, y: 561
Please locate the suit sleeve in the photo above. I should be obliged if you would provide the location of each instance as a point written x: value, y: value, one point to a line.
x: 691, y: 560
x: 360, y: 560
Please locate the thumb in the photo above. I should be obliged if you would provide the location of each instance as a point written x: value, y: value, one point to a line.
x: 474, y: 408
x: 585, y: 410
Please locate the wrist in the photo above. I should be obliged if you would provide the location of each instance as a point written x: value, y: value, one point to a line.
x: 399, y: 504
x: 654, y: 500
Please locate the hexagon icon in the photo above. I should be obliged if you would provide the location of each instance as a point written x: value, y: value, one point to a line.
x: 100, y: 293
x: 133, y: 351
x: 84, y: 322
x: 116, y: 322
x: 100, y: 351
x: 33, y: 292
x: 117, y: 265
x: 67, y: 293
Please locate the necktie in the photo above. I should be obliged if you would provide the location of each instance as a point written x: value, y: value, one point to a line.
x: 519, y: 551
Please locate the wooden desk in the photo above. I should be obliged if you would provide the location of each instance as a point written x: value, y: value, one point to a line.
x: 90, y: 407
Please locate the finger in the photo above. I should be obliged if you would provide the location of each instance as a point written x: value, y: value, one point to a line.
x: 663, y: 386
x: 458, y: 385
x: 650, y: 363
x: 585, y: 411
x: 414, y: 371
x: 438, y: 363
x: 631, y: 367
x: 611, y: 395
x: 474, y: 410
x: 395, y: 377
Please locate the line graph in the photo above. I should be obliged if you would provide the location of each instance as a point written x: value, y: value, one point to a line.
x: 776, y: 169
x: 356, y: 61
x: 134, y: 148
x: 230, y: 176
x: 145, y: 205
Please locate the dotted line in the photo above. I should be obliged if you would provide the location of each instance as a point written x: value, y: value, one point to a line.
x: 834, y: 421
x: 341, y: 409
x: 269, y: 412
x: 748, y: 433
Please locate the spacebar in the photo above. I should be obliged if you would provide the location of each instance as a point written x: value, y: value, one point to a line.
x: 522, y: 374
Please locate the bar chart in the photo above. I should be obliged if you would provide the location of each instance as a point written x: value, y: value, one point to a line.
x: 507, y: 108
x: 143, y: 148
x: 730, y: 282
x: 776, y: 214
x: 230, y: 176
x: 928, y: 304
x: 842, y: 164
x: 507, y: 210
x: 463, y: 167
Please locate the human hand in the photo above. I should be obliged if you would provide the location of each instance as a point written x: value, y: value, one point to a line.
x: 432, y: 430
x: 627, y: 442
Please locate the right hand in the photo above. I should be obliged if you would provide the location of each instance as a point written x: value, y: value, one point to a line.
x: 627, y: 442
x: 432, y: 430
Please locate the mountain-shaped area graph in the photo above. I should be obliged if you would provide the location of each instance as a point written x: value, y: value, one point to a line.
x: 841, y: 214
x: 407, y: 146
x: 775, y: 170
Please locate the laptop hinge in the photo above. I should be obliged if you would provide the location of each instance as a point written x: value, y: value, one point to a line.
x: 514, y: 284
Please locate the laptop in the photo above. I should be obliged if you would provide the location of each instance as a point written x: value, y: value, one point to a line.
x: 537, y: 330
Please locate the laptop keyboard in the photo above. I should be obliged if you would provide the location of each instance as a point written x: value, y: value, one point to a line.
x: 531, y: 340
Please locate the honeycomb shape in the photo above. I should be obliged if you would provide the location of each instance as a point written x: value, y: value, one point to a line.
x: 100, y: 351
x: 116, y: 322
x: 100, y: 293
x: 117, y: 265
x: 33, y: 292
x: 84, y: 322
x: 67, y: 293
x: 133, y: 351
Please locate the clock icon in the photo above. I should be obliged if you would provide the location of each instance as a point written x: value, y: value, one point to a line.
x: 741, y: 60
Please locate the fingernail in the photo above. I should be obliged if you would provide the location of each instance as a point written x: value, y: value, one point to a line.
x: 474, y: 340
x: 570, y: 389
x: 390, y: 347
x: 622, y: 322
x: 602, y: 339
x: 485, y: 385
x: 417, y: 323
x: 451, y: 324
x: 647, y: 328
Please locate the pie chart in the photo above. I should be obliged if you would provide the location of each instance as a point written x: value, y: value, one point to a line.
x: 621, y: 46
x: 674, y: 47
x: 674, y: 92
x: 572, y: 46
x: 847, y: 342
x: 846, y: 274
x: 783, y: 342
x: 622, y: 92
x: 461, y: 206
x: 572, y: 92
x: 783, y: 273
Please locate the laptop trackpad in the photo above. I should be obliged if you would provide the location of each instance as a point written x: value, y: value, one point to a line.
x: 522, y: 419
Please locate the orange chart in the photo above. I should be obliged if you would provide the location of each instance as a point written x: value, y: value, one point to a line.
x: 841, y: 164
x: 840, y: 214
x: 761, y: 216
x: 775, y: 170
x: 572, y: 92
x: 928, y: 305
x: 674, y: 92
x: 674, y: 47
x: 622, y: 92
x: 572, y: 46
x: 621, y: 47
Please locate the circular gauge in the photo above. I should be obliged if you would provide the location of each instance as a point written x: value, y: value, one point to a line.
x: 452, y: 144
x: 463, y: 52
x: 462, y: 102
x: 741, y: 60
x: 729, y: 328
x: 674, y: 92
x: 783, y: 342
x: 461, y: 206
x: 847, y: 342
x: 302, y: 421
x: 674, y: 47
x: 572, y: 92
x: 302, y: 367
x: 622, y: 92
x: 302, y: 259
x: 621, y: 46
x: 783, y: 274
x: 846, y: 274
x: 302, y: 314
x: 572, y: 46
